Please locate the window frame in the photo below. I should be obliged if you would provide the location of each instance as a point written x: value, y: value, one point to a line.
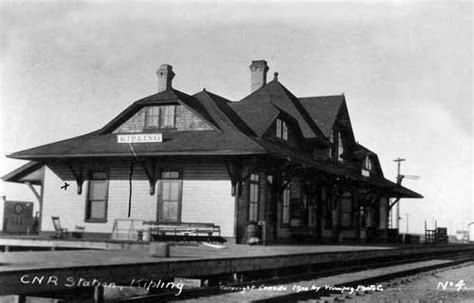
x: 88, y: 206
x: 160, y: 192
x: 160, y: 117
x: 255, y: 205
x: 368, y: 165
x: 281, y: 129
x: 340, y: 147
x: 286, y: 194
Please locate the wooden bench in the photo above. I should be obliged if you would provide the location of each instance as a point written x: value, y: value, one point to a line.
x: 187, y: 231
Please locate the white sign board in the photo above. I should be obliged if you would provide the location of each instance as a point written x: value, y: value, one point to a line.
x: 188, y: 283
x: 139, y: 138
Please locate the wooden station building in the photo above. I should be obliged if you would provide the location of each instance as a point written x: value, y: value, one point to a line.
x: 289, y: 164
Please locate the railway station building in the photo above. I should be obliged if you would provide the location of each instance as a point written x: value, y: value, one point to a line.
x: 288, y: 164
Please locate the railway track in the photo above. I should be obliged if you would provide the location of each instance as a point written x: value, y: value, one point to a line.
x: 298, y: 284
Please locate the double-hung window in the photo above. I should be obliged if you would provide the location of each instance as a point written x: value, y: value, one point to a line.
x: 96, y: 204
x: 163, y: 116
x: 254, y: 197
x: 281, y: 129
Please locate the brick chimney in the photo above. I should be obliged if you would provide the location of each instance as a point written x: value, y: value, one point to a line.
x: 258, y: 69
x: 165, y: 77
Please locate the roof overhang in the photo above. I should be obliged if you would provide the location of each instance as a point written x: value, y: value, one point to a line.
x: 128, y: 155
x: 31, y: 172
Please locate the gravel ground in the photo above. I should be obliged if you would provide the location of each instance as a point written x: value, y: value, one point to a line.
x: 426, y: 288
x: 259, y: 291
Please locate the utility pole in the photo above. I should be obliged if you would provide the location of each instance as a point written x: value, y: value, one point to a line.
x: 399, y: 176
x: 399, y: 182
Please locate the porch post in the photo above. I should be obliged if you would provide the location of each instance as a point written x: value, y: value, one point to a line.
x: 39, y: 198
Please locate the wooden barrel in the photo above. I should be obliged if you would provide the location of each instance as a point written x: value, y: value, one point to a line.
x: 252, y: 232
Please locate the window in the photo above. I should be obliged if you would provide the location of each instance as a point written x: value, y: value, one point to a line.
x: 286, y: 206
x: 346, y: 210
x: 167, y: 116
x: 169, y: 198
x: 281, y: 129
x: 330, y: 149
x: 96, y: 205
x: 254, y: 197
x: 368, y: 163
x: 340, y: 147
x: 160, y: 116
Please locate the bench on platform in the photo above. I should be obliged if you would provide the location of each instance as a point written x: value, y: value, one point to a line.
x: 185, y: 231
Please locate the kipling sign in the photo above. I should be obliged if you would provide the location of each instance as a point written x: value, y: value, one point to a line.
x: 139, y: 138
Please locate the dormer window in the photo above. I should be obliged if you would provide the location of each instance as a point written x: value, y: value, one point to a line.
x: 368, y: 163
x: 281, y: 129
x: 160, y: 116
x: 366, y: 167
x: 340, y: 147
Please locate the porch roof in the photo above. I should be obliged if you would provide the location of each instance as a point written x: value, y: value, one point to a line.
x: 30, y: 172
x: 344, y: 171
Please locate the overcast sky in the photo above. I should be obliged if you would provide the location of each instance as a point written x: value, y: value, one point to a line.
x: 405, y: 68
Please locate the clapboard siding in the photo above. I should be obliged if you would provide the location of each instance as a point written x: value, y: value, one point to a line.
x: 66, y: 204
x: 206, y: 196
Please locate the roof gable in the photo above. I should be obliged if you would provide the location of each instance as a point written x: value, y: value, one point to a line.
x: 324, y: 111
x: 256, y: 111
x: 261, y: 108
x: 223, y: 138
x: 343, y: 122
x: 361, y: 152
x: 169, y: 96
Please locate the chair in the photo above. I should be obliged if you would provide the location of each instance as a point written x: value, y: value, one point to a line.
x: 60, y: 232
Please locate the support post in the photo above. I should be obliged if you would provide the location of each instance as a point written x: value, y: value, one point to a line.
x: 79, y: 177
x: 98, y: 294
x: 150, y: 171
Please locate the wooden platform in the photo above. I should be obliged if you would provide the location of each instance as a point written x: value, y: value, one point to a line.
x: 59, y: 269
x: 65, y: 243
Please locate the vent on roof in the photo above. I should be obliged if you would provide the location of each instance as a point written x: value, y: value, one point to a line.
x: 258, y: 69
x: 165, y: 77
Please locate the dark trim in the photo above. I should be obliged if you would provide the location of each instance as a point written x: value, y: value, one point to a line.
x: 283, y: 224
x: 159, y: 195
x: 160, y: 107
x: 166, y: 153
x: 107, y: 179
x: 258, y: 196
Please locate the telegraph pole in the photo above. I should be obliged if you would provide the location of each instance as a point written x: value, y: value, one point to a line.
x: 399, y: 176
x: 399, y: 182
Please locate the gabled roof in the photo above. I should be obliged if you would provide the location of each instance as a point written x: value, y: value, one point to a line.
x: 361, y: 152
x: 237, y: 128
x: 323, y: 110
x: 223, y: 113
x: 260, y: 109
x: 171, y: 95
x: 224, y: 139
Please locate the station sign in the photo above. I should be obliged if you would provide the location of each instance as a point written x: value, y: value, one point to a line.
x: 140, y: 138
